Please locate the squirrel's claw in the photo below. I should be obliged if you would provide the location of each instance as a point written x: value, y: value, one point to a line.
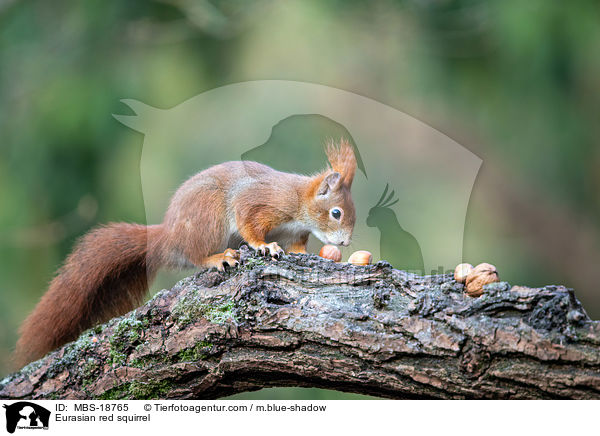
x: 275, y: 250
x: 227, y: 263
x: 272, y: 248
x: 229, y: 259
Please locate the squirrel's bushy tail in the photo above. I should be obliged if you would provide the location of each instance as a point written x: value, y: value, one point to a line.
x: 106, y: 275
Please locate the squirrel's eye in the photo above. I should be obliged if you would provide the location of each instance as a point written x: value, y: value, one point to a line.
x: 336, y: 213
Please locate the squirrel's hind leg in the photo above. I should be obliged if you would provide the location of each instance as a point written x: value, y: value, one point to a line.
x: 228, y: 259
x: 298, y: 246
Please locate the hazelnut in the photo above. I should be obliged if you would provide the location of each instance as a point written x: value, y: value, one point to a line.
x: 331, y: 252
x: 481, y: 275
x: 361, y: 257
x: 462, y: 271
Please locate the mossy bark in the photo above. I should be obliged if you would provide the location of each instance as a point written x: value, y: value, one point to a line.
x: 306, y: 321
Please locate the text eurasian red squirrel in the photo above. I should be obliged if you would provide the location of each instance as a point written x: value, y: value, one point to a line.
x: 108, y: 271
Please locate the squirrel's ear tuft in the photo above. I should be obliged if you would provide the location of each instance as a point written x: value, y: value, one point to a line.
x: 342, y: 160
x: 330, y: 182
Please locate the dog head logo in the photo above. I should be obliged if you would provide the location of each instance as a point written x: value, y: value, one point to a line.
x: 26, y: 415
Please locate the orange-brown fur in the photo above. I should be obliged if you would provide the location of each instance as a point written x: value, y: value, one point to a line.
x: 105, y: 276
x: 342, y: 160
x: 108, y: 272
x: 300, y: 245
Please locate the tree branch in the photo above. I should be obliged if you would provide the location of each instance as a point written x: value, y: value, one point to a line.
x: 305, y: 321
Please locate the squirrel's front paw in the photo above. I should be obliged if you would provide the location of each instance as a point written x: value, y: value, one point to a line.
x: 272, y: 248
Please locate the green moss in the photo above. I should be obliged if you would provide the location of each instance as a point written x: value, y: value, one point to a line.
x: 73, y: 353
x: 116, y: 393
x: 139, y: 363
x: 199, y: 352
x: 116, y: 357
x: 88, y: 370
x: 84, y: 343
x: 221, y: 313
x: 145, y: 361
x: 126, y: 335
x: 150, y: 390
x: 252, y: 263
x: 127, y: 332
x: 189, y: 309
x: 138, y: 391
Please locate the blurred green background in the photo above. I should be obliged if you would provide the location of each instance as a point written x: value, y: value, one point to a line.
x: 517, y: 83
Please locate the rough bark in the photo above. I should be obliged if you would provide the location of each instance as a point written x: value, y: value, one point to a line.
x: 305, y: 321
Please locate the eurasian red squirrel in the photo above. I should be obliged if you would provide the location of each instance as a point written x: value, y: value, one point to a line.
x: 214, y: 211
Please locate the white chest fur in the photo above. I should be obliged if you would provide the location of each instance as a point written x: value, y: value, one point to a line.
x: 285, y: 234
x: 288, y: 233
